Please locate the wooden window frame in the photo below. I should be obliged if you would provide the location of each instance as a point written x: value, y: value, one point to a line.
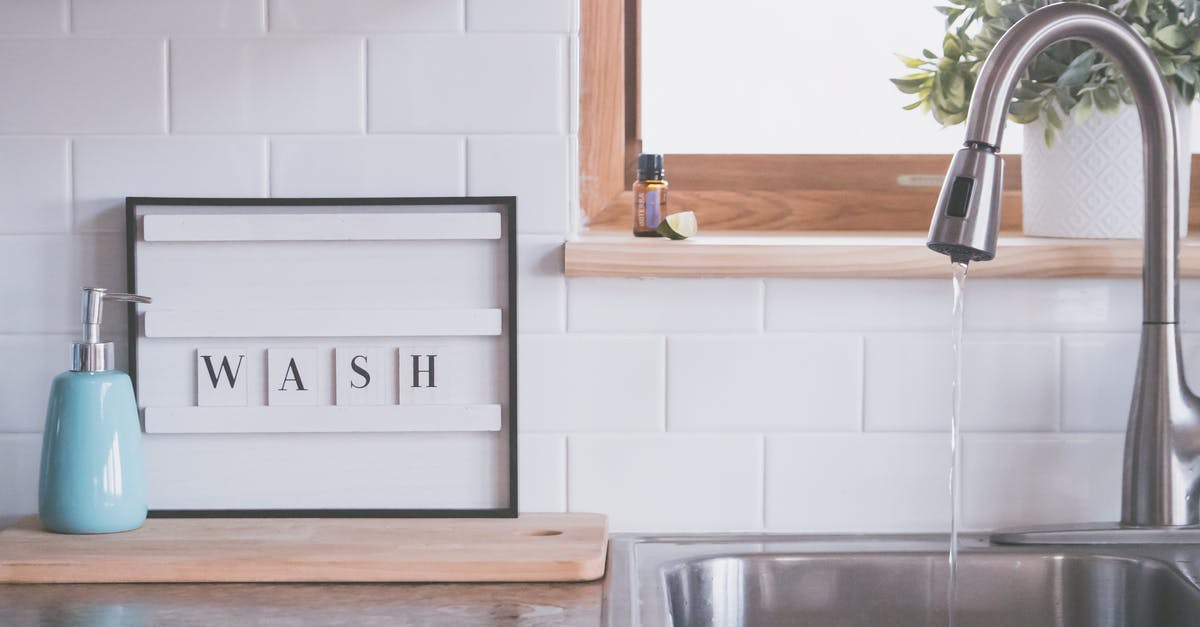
x: 767, y: 192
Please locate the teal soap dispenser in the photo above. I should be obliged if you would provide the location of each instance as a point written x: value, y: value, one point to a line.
x: 92, y: 479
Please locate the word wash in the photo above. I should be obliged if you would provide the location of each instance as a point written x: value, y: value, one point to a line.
x: 293, y: 376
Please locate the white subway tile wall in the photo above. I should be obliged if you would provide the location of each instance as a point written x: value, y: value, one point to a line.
x: 367, y: 165
x: 534, y: 167
x: 82, y: 85
x: 668, y: 482
x: 36, y: 184
x: 689, y: 405
x: 542, y: 466
x: 579, y: 383
x: 764, y: 383
x: 273, y: 85
x: 33, y: 16
x: 167, y: 17
x: 467, y: 83
x: 106, y: 169
x: 365, y: 16
x: 856, y: 482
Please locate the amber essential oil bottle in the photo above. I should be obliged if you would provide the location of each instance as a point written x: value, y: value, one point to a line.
x: 649, y: 196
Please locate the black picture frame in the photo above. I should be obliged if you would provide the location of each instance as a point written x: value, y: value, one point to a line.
x: 509, y: 224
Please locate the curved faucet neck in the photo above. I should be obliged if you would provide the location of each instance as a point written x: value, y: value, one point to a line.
x: 1006, y: 65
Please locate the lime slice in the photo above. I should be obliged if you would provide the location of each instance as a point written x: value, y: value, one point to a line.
x: 680, y: 225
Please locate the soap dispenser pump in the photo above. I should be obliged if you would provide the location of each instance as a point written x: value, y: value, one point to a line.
x: 92, y: 479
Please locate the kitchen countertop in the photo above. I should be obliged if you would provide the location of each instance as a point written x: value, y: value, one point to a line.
x: 297, y: 604
x: 461, y: 605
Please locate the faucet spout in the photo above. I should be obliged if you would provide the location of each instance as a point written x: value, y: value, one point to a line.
x: 1161, y: 475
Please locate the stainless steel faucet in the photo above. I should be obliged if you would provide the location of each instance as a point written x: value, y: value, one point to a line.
x: 1161, y: 481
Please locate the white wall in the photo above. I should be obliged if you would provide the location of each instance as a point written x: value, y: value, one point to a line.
x: 779, y: 76
x: 669, y: 404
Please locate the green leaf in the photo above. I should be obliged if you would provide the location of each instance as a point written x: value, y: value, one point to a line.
x: 951, y: 47
x: 1139, y: 8
x: 928, y: 54
x: 1107, y: 100
x: 910, y: 107
x: 1013, y: 11
x: 1173, y: 36
x: 1078, y: 70
x: 1024, y: 112
x: 1051, y: 117
x: 991, y: 7
x: 909, y: 85
x: 1187, y: 73
x: 956, y: 88
x: 953, y: 118
x: 910, y: 62
x: 1048, y: 135
x: 1083, y: 111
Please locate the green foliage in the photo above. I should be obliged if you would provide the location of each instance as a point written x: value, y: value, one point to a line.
x: 1068, y: 79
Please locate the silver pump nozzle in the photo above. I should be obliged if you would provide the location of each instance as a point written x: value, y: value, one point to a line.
x: 90, y: 354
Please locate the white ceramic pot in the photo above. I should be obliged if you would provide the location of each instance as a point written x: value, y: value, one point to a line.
x: 1090, y: 183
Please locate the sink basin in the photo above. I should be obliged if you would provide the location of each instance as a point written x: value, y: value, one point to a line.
x: 748, y: 580
x: 910, y: 589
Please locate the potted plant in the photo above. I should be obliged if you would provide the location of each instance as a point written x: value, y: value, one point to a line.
x: 1082, y: 164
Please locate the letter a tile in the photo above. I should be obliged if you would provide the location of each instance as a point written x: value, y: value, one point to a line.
x: 292, y: 376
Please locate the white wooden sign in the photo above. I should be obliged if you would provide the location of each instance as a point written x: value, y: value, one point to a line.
x: 363, y: 349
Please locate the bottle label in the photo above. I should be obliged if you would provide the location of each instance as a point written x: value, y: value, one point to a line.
x: 653, y: 208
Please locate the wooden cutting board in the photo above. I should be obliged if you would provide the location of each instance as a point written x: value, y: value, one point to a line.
x: 533, y: 547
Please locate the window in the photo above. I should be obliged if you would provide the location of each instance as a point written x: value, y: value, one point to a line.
x: 737, y: 152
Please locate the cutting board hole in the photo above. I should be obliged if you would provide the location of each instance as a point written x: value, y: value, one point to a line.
x: 542, y: 532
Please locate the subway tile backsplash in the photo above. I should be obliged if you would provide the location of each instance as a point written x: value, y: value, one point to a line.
x: 82, y: 85
x: 367, y: 165
x: 764, y: 383
x: 106, y: 169
x: 469, y: 84
x: 166, y: 17
x: 364, y: 16
x: 36, y: 183
x: 812, y: 405
x: 274, y: 85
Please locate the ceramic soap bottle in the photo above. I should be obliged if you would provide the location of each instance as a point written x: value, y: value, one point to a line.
x: 91, y: 478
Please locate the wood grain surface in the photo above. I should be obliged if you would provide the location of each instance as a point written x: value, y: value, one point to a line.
x: 852, y: 255
x: 533, y: 547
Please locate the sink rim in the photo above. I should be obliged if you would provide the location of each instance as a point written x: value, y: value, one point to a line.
x: 639, y: 561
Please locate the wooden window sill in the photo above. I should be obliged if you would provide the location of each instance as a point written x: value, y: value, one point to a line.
x: 893, y: 255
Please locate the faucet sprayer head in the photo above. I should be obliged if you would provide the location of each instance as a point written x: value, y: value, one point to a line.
x: 968, y: 210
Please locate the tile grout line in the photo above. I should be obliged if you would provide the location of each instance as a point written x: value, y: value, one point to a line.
x: 1058, y: 389
x: 762, y: 305
x: 664, y: 401
x: 567, y: 472
x: 762, y: 481
x: 166, y: 75
x: 365, y: 89
x: 72, y: 213
x: 464, y: 169
x: 862, y: 383
x: 72, y: 192
x: 568, y: 77
x: 268, y: 176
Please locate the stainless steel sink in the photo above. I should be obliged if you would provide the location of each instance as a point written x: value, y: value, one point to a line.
x: 743, y: 580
